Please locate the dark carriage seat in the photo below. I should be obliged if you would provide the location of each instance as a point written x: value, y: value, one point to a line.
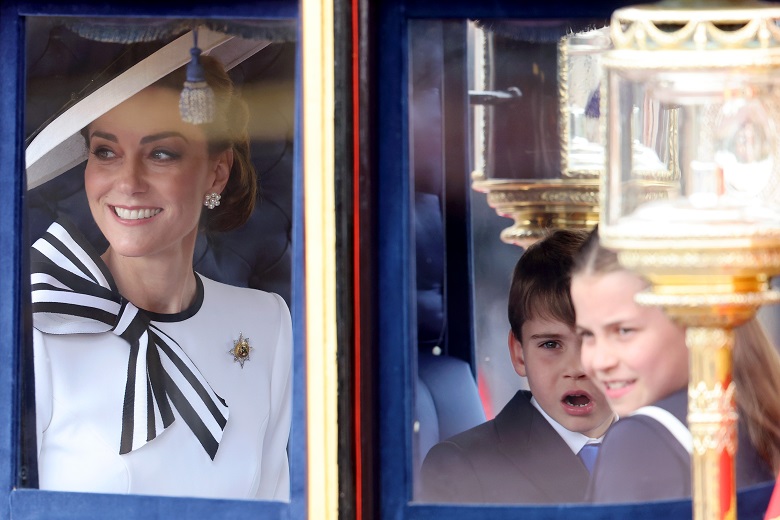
x: 446, y: 399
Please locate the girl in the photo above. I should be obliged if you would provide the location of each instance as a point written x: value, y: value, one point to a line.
x: 638, y: 357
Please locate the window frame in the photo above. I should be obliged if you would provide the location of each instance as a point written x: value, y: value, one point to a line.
x: 395, y: 280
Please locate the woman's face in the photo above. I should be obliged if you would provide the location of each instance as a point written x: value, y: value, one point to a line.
x: 147, y: 175
x: 635, y: 353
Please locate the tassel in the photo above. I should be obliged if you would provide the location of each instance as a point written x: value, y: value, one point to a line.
x: 196, y: 104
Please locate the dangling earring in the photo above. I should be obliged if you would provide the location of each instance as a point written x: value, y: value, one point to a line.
x: 212, y: 200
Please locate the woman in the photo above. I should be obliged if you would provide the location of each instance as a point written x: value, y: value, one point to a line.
x: 638, y: 357
x: 151, y: 378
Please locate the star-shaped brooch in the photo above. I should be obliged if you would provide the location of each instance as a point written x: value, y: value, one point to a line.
x: 240, y: 350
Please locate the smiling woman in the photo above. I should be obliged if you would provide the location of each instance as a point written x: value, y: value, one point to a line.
x: 165, y: 410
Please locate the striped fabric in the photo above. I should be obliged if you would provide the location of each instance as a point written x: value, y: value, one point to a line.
x: 73, y: 293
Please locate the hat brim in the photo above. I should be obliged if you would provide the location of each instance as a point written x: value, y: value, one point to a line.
x: 59, y: 146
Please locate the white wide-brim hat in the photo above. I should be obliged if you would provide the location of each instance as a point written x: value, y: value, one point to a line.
x: 59, y: 146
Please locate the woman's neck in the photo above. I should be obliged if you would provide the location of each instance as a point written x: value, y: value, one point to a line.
x: 160, y: 285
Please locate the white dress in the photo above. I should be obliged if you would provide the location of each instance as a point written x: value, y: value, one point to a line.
x: 80, y: 383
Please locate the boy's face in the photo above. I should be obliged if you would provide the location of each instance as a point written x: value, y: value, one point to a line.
x: 548, y: 354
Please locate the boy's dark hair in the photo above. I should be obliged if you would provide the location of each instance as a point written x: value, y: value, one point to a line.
x: 541, y: 280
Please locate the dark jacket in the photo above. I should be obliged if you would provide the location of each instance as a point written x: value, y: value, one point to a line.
x: 515, y: 458
x: 640, y: 460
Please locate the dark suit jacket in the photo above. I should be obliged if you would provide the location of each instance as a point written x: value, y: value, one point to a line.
x: 515, y: 458
x: 640, y: 460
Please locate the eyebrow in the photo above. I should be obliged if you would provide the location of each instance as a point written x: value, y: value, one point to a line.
x: 144, y: 140
x: 163, y: 135
x: 546, y: 335
x: 104, y: 135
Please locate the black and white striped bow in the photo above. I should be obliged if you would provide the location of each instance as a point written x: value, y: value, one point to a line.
x: 73, y: 293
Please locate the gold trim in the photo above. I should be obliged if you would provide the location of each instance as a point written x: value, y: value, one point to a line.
x: 704, y: 238
x: 320, y: 264
x: 537, y: 206
x: 699, y: 42
x: 720, y: 261
x: 520, y: 193
x: 712, y: 420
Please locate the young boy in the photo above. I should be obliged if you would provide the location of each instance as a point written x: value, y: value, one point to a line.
x: 529, y: 452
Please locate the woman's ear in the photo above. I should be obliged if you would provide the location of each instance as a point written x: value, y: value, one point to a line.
x: 516, y: 354
x: 221, y: 165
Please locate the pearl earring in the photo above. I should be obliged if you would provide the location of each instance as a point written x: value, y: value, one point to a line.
x: 212, y: 200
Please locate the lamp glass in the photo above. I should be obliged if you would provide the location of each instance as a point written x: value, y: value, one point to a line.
x: 580, y: 73
x: 721, y: 178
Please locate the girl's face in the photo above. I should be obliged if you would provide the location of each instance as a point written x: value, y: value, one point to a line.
x: 635, y: 353
x: 147, y: 175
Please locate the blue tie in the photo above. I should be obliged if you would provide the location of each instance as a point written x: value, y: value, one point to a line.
x: 588, y: 455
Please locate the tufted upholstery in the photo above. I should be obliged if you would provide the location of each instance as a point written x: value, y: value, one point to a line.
x: 446, y: 398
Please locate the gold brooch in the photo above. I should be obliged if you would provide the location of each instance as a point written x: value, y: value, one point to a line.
x: 240, y: 350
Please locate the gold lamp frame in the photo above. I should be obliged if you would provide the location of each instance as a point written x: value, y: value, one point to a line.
x: 568, y: 202
x: 711, y: 279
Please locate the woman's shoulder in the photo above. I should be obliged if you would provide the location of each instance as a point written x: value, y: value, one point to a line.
x: 227, y: 293
x: 243, y: 307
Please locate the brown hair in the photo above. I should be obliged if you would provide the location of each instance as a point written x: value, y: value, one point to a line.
x: 757, y: 377
x: 228, y: 130
x: 541, y: 278
x: 756, y: 362
x: 592, y: 258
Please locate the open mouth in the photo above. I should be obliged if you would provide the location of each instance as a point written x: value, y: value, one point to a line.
x: 577, y: 400
x: 135, y: 214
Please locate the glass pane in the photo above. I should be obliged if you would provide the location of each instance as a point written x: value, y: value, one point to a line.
x: 513, y: 109
x: 180, y: 386
x: 534, y: 109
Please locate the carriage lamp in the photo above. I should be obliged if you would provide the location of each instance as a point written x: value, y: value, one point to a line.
x: 705, y: 230
x: 540, y: 155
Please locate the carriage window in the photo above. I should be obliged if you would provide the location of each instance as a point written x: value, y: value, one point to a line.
x: 504, y: 121
x: 498, y: 114
x: 159, y: 159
